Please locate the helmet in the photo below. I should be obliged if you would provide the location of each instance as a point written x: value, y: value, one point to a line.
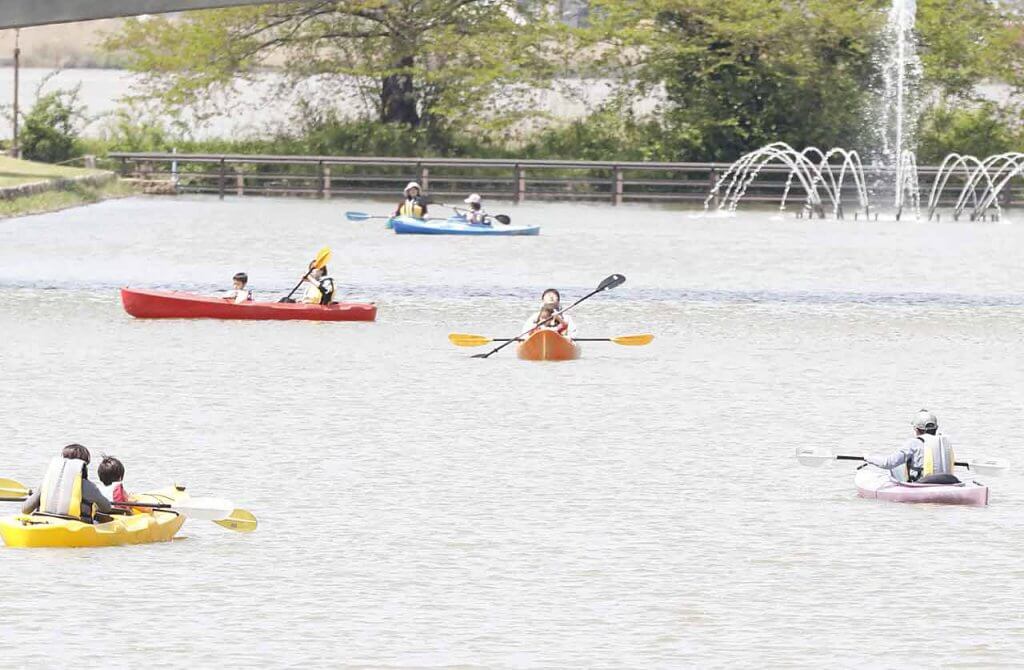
x: 925, y: 420
x: 410, y: 186
x: 473, y: 199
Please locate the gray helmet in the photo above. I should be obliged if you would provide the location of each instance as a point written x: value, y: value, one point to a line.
x: 925, y: 420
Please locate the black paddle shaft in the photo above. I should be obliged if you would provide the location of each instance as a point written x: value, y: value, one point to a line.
x: 609, y: 282
x: 304, y: 277
x: 960, y: 464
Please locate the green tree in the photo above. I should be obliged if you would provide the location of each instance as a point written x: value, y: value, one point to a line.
x: 738, y: 74
x: 966, y: 43
x: 431, y: 63
x: 51, y: 129
x: 984, y: 129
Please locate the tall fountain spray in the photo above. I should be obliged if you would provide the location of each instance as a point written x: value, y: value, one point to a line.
x: 901, y: 71
x: 830, y: 177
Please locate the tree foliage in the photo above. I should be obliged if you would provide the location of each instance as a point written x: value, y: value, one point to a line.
x: 51, y: 129
x: 449, y: 76
x: 429, y: 63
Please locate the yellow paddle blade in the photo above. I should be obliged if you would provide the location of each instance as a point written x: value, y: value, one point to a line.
x: 12, y: 489
x: 322, y: 257
x: 239, y: 520
x: 463, y: 340
x: 633, y: 340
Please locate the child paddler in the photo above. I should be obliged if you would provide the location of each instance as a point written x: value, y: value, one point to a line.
x: 66, y: 490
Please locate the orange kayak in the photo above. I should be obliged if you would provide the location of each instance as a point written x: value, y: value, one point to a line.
x: 547, y: 345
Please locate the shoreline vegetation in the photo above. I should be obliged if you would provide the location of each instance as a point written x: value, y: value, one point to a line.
x: 453, y: 78
x: 27, y: 187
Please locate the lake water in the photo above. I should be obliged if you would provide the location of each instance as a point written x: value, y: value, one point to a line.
x: 640, y: 507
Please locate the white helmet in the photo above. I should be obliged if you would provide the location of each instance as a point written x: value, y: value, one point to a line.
x: 925, y: 420
x: 473, y: 199
x: 410, y: 186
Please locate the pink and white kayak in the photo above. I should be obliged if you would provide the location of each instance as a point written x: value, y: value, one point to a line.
x: 874, y: 483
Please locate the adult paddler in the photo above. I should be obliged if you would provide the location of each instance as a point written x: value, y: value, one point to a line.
x: 414, y: 205
x: 553, y: 299
x: 927, y: 457
x: 66, y: 490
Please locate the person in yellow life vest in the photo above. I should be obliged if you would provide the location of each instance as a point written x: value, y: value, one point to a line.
x: 66, y: 490
x: 414, y: 205
x: 926, y: 458
x: 320, y: 289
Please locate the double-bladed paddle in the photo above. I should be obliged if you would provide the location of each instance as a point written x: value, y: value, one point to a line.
x: 363, y: 216
x: 609, y: 282
x: 467, y: 340
x: 218, y: 510
x: 321, y: 259
x: 813, y: 458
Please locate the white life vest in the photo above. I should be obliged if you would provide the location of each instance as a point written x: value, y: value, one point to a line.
x: 937, y: 456
x: 61, y: 492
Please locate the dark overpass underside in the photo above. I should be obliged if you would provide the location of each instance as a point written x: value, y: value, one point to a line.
x: 24, y: 13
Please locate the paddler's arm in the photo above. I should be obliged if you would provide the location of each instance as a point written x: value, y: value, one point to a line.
x: 31, y: 505
x: 92, y: 495
x: 893, y: 460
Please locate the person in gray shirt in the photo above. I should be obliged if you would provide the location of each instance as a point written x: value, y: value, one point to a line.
x: 60, y: 495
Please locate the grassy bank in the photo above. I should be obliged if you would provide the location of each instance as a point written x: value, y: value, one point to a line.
x: 75, y: 195
x: 27, y: 187
x: 14, y: 172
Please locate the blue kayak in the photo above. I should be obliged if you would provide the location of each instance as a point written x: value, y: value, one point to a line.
x: 456, y: 225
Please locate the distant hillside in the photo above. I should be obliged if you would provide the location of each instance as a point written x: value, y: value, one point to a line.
x: 62, y: 45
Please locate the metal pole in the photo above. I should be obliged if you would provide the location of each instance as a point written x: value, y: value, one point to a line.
x: 17, y: 58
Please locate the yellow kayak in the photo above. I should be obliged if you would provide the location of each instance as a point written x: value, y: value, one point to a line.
x: 139, y: 527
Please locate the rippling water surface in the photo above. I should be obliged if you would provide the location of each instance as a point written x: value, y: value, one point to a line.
x: 637, y: 508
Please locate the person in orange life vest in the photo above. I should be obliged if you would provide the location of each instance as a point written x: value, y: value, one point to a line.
x: 414, y: 205
x: 548, y: 319
x: 66, y: 490
x: 552, y: 298
x: 111, y: 474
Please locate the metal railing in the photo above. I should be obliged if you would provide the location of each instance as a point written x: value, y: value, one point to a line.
x: 507, y: 179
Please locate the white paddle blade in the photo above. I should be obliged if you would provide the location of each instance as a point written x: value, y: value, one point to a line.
x: 991, y: 467
x: 813, y: 458
x: 207, y: 509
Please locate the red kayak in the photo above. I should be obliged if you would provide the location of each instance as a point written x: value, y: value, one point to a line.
x: 145, y: 304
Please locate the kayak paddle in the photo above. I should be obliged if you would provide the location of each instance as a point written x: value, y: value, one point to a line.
x: 321, y: 259
x: 609, y: 282
x: 218, y: 510
x: 464, y: 340
x: 813, y: 458
x: 363, y: 216
x: 240, y: 520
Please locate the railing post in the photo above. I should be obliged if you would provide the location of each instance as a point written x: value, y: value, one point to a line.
x: 712, y: 183
x: 617, y: 188
x: 221, y: 179
x: 520, y: 177
x: 239, y: 181
x: 325, y: 183
x: 124, y: 166
x: 424, y: 179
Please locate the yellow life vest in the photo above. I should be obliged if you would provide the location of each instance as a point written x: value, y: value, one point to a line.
x: 938, y: 455
x: 411, y: 207
x: 61, y: 492
x: 321, y: 293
